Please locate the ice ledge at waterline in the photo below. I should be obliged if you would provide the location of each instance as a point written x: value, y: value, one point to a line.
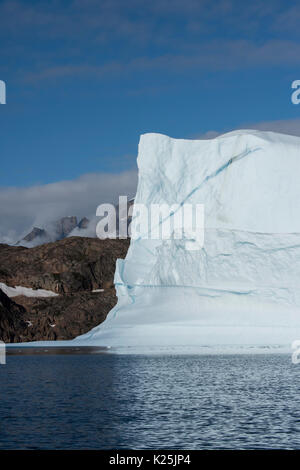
x: 243, y: 286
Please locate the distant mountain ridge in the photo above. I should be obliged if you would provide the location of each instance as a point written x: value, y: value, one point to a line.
x: 54, y: 231
x: 71, y: 226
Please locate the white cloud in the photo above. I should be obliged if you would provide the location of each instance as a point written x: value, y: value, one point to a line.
x: 23, y: 208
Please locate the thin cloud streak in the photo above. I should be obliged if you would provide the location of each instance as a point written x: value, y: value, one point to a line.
x: 231, y: 55
x: 160, y: 35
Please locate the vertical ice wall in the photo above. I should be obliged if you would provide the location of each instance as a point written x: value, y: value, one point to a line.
x: 243, y: 286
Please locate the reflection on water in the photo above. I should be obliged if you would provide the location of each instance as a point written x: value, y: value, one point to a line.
x: 102, y: 401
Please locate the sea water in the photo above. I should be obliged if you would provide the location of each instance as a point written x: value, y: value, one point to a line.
x: 93, y: 400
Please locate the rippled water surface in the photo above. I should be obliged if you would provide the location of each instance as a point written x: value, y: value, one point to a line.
x: 100, y: 401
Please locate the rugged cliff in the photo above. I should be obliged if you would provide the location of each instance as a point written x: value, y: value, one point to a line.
x: 73, y: 268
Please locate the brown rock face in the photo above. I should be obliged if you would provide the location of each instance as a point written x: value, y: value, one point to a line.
x: 66, y: 316
x: 11, y: 320
x: 72, y: 267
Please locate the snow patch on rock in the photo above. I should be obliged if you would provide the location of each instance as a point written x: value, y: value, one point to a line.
x: 26, y: 291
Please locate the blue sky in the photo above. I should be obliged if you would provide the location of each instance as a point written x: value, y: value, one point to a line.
x: 86, y: 78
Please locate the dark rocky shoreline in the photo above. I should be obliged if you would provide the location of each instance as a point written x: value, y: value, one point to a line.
x: 73, y: 268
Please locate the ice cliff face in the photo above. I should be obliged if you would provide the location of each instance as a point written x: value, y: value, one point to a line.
x: 243, y: 287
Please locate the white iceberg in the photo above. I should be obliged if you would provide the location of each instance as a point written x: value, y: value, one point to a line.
x: 242, y: 289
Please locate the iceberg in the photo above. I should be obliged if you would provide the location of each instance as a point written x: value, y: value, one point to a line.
x: 242, y: 288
